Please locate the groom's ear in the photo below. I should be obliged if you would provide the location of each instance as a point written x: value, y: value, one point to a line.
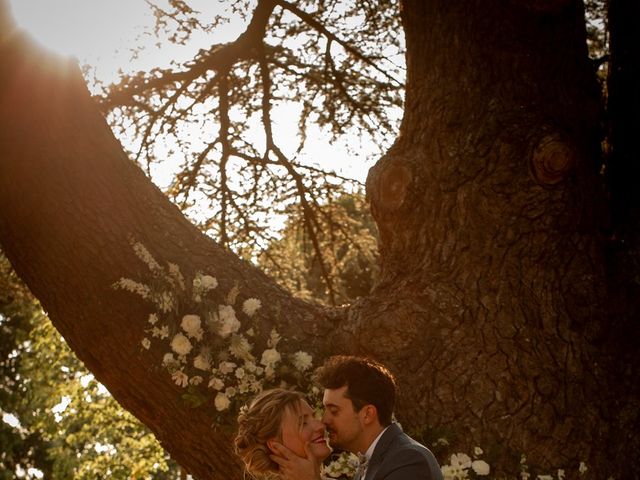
x: 370, y: 414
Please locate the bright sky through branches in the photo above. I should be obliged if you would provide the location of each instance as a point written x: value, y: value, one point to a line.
x: 102, y: 34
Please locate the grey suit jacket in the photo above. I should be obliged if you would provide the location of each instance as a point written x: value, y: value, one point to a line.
x: 399, y: 457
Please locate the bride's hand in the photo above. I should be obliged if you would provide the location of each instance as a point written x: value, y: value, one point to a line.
x: 293, y: 467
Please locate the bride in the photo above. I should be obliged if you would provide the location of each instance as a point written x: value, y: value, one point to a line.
x: 275, y: 417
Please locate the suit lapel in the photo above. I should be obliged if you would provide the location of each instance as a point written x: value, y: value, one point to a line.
x: 381, y: 450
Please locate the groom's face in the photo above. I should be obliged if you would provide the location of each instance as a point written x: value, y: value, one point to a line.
x: 343, y: 423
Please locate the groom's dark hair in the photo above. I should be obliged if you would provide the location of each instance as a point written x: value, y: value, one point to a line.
x: 368, y: 383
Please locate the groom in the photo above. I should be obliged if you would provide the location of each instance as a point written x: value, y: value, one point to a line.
x: 359, y: 396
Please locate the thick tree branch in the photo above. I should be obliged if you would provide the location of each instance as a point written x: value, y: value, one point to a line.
x: 217, y: 58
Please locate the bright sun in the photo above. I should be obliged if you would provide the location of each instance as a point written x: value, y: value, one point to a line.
x: 83, y: 28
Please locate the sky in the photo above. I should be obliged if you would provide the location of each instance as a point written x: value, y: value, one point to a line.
x: 101, y: 34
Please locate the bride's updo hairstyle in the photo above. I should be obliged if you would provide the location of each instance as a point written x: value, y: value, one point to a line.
x: 262, y: 421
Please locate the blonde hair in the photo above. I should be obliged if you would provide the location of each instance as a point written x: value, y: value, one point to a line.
x: 260, y: 422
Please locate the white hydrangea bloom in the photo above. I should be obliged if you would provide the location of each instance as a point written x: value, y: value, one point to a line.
x: 153, y: 319
x: 477, y: 451
x: 180, y: 378
x: 146, y: 343
x: 250, y: 306
x: 230, y: 392
x: 240, y: 373
x: 181, y: 344
x: 197, y: 380
x: 221, y: 402
x: 270, y: 357
x: 228, y: 322
x: 191, y: 324
x: 302, y: 361
x: 480, y: 467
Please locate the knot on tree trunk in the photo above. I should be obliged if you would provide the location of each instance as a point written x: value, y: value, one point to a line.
x: 388, y: 186
x: 552, y: 160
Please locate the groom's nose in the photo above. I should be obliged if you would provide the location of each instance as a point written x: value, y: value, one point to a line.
x: 325, y: 418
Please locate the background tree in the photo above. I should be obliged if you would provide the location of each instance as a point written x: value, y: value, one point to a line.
x: 488, y: 210
x: 68, y: 426
x: 347, y: 237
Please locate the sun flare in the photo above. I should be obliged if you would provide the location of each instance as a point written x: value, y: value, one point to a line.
x: 80, y: 28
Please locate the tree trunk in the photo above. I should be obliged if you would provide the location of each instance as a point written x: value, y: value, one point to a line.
x: 492, y: 285
x: 487, y: 207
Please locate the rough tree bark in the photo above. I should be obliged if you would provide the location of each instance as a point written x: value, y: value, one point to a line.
x: 492, y: 290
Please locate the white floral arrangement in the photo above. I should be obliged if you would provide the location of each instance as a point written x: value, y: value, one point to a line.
x: 343, y: 466
x: 207, y: 347
x: 463, y: 467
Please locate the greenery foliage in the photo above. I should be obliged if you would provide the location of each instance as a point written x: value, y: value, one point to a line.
x: 68, y: 426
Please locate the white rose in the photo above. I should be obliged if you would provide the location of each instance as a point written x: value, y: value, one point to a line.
x: 480, y: 467
x: 270, y: 357
x: 181, y: 344
x: 190, y: 323
x: 221, y: 402
x: 209, y: 282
